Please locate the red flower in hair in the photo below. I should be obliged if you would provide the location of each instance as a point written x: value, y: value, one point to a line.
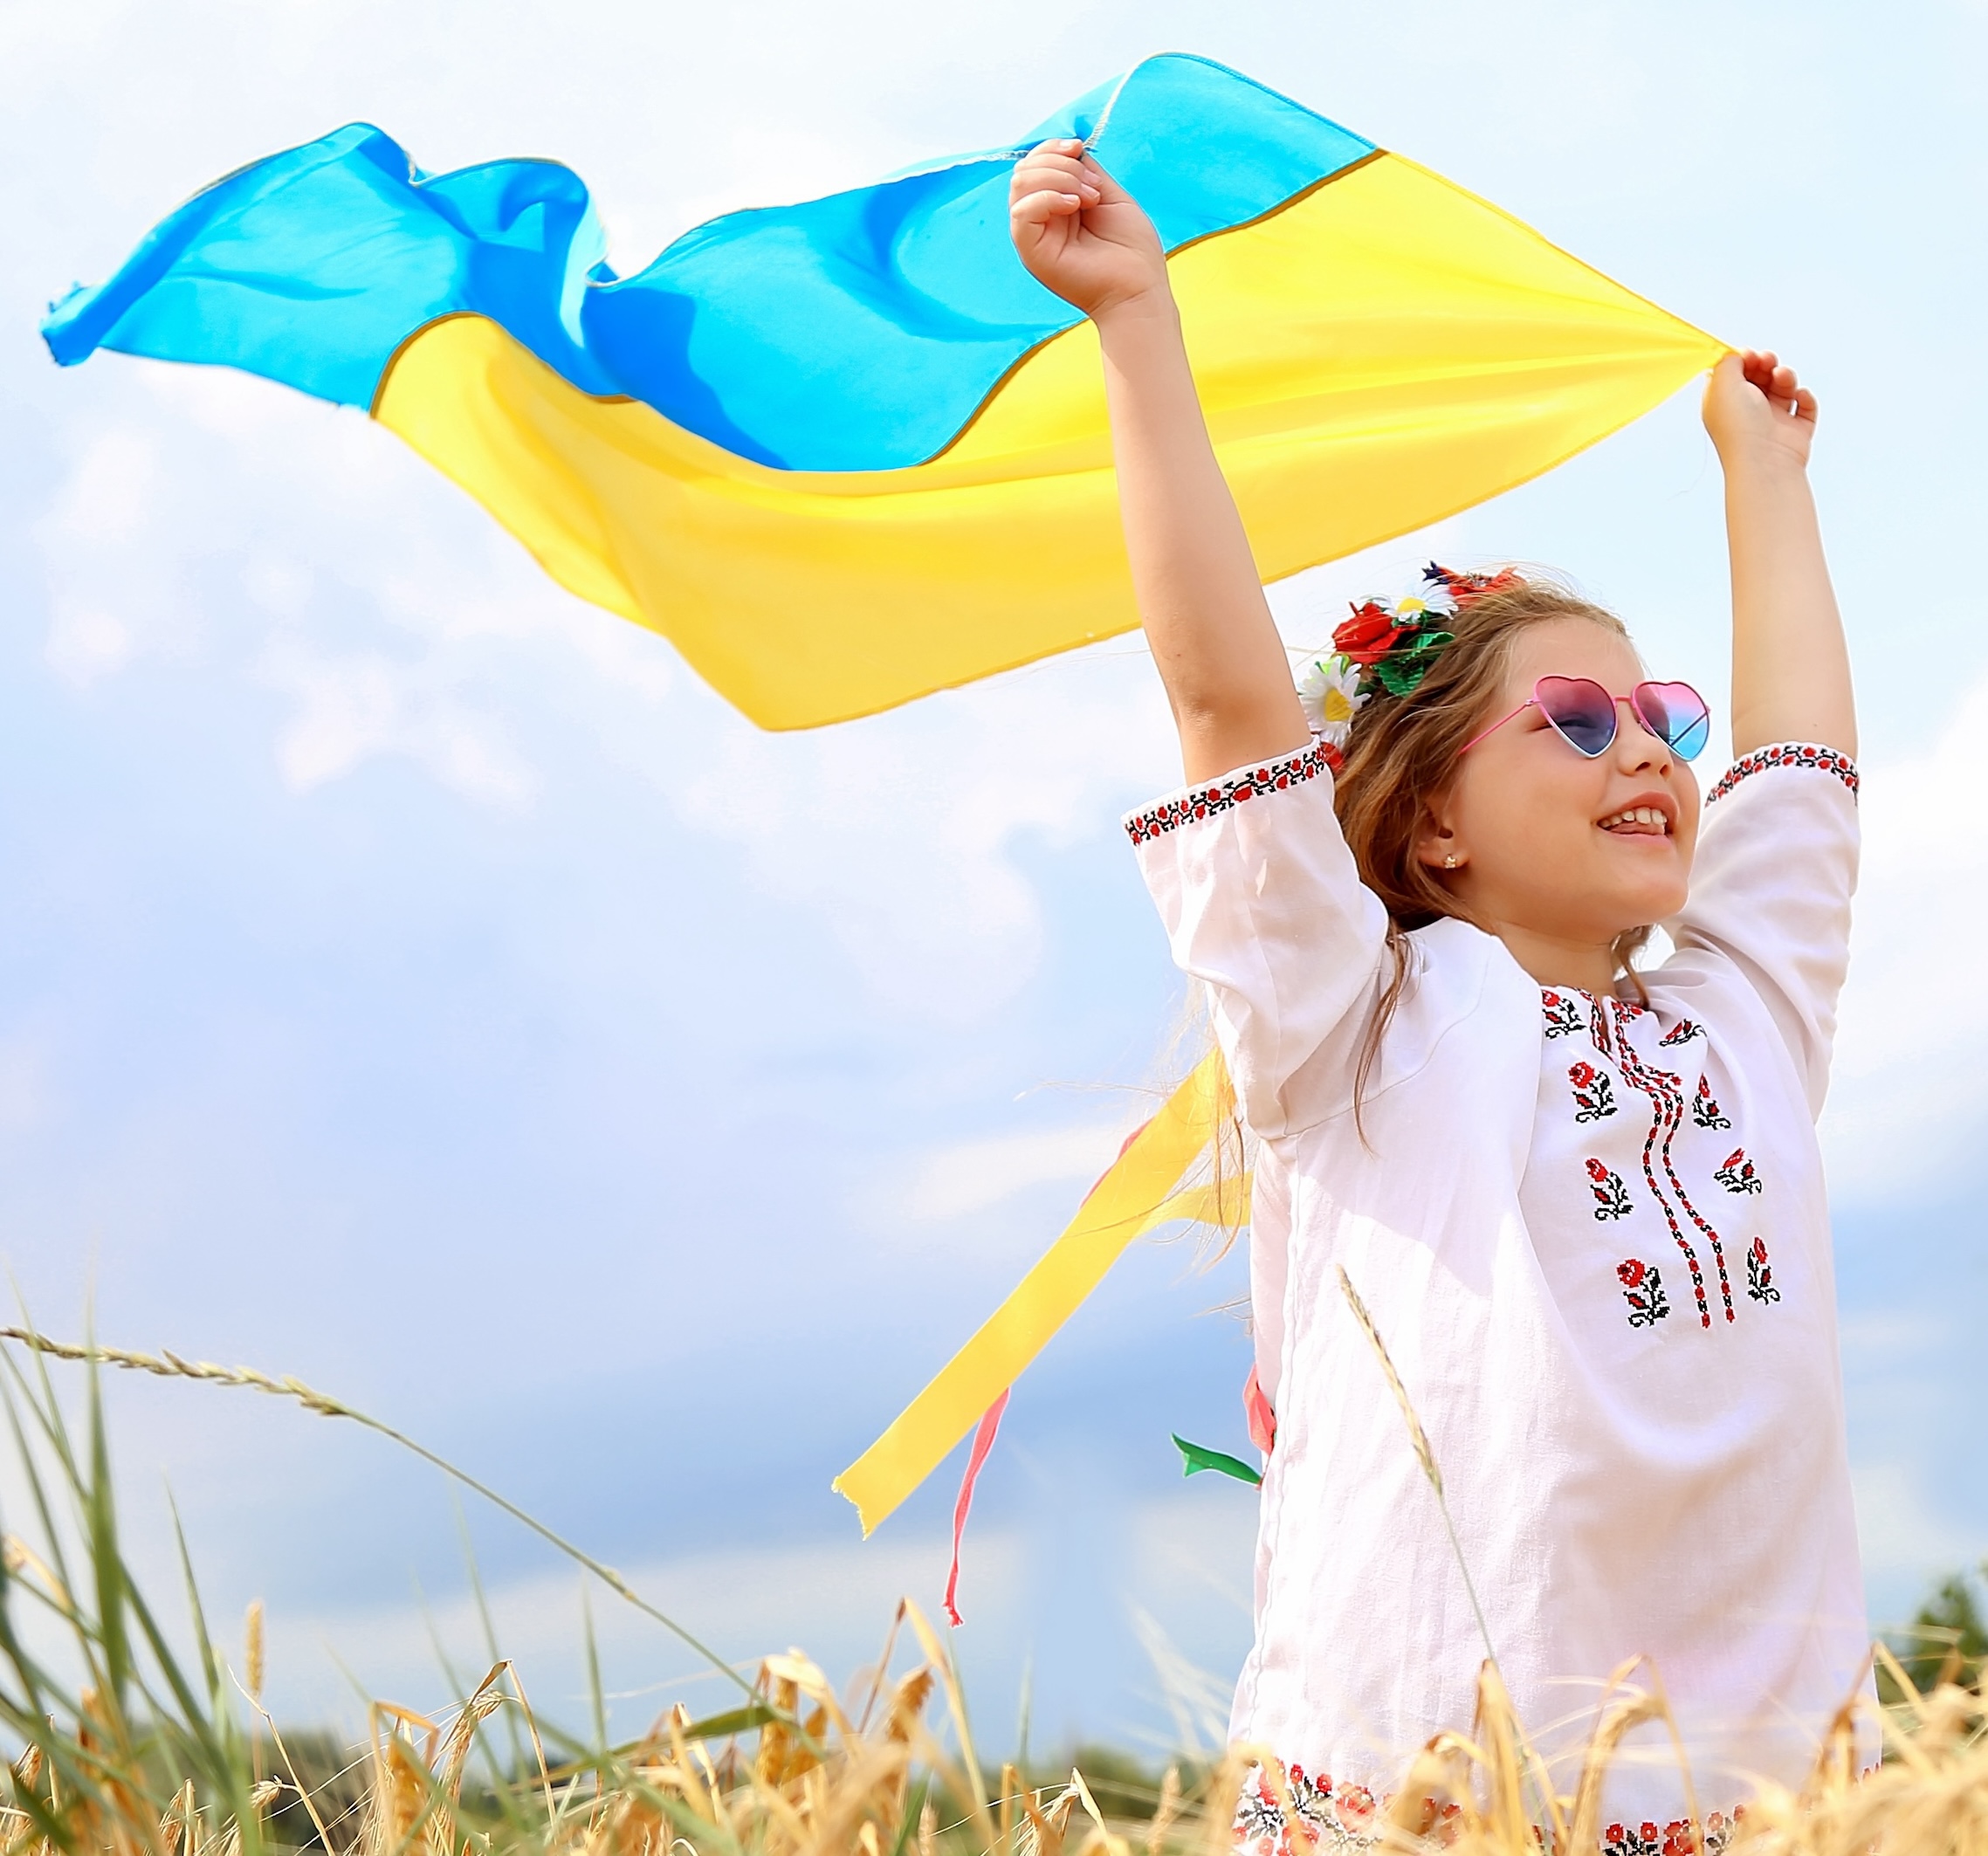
x: 1464, y: 587
x: 1393, y: 647
x: 1369, y: 634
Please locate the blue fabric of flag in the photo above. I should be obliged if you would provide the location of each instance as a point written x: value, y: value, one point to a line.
x: 858, y: 332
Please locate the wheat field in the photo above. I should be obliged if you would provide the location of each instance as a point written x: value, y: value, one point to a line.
x: 123, y: 1744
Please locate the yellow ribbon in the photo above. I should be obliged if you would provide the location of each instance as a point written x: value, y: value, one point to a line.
x: 1141, y: 1190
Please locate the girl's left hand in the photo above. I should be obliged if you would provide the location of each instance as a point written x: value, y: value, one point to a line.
x: 1755, y: 405
x: 1080, y: 233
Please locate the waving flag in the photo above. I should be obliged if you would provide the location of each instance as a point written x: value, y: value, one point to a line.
x: 847, y: 452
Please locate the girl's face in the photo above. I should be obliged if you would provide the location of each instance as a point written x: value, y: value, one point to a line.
x: 1550, y: 843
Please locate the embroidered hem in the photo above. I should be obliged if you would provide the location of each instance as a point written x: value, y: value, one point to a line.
x: 1200, y: 803
x: 1786, y: 754
x: 1348, y: 1818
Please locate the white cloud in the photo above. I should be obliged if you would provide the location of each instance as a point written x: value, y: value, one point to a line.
x: 25, y: 1090
x: 1888, y: 1337
x: 972, y: 1176
x: 1909, y: 1096
x: 1178, y: 1575
x: 394, y: 615
x: 114, y: 511
x: 902, y: 830
x: 336, y: 534
x: 352, y: 708
x: 112, y: 492
x: 85, y: 642
x: 1900, y: 1533
x: 832, y: 1600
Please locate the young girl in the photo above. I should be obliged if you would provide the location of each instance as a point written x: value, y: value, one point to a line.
x: 1585, y: 1204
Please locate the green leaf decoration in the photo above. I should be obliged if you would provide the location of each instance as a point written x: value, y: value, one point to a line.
x: 1196, y: 1456
x: 1402, y: 670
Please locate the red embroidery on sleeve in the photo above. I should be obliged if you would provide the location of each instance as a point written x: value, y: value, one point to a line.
x: 1822, y: 760
x: 1201, y: 802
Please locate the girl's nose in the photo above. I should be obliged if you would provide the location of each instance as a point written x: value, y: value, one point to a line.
x: 1639, y: 744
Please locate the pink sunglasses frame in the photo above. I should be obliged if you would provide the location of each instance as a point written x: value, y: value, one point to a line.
x: 1632, y: 698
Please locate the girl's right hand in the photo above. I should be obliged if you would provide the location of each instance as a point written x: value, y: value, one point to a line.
x: 1079, y: 232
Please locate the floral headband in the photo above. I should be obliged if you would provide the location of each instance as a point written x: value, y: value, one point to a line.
x: 1386, y: 652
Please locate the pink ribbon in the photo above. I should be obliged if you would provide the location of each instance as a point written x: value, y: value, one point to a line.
x: 1262, y: 1418
x: 983, y: 1443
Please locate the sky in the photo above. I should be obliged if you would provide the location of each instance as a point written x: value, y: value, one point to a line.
x: 415, y: 980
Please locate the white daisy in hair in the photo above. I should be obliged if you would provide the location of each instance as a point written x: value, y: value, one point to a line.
x: 1437, y: 595
x: 1329, y: 689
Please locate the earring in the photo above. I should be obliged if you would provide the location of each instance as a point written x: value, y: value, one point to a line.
x: 1449, y: 863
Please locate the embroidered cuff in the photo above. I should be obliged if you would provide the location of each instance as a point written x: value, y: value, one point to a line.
x: 1336, y: 1815
x: 1786, y: 754
x: 1200, y: 803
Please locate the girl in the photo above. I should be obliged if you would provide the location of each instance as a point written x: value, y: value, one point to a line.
x: 1584, y: 1203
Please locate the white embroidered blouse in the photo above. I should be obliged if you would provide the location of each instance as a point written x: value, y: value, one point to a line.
x: 1595, y: 1238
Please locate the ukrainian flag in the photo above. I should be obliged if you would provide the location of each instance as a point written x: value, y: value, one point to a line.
x: 845, y: 453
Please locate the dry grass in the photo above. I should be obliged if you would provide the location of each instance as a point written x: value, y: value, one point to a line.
x: 810, y: 1780
x: 126, y: 1750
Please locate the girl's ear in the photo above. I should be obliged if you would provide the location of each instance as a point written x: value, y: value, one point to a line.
x: 1436, y: 845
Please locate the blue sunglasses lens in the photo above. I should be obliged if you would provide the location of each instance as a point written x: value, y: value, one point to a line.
x: 1676, y: 713
x: 1582, y: 710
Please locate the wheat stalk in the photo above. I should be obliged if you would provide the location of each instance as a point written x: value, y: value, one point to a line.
x: 1419, y: 1439
x: 251, y: 1649
x: 169, y: 1365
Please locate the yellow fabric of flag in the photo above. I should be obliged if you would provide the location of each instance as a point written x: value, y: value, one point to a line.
x: 1380, y: 352
x: 1137, y: 1193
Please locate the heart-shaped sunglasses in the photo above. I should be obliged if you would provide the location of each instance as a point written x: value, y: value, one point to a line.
x: 1582, y: 715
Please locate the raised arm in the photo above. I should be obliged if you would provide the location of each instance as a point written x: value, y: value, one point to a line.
x: 1790, y: 669
x: 1199, y: 595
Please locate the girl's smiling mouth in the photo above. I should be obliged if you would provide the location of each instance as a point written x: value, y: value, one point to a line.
x: 1650, y: 817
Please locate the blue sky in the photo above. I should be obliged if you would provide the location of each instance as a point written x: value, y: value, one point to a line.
x: 415, y: 980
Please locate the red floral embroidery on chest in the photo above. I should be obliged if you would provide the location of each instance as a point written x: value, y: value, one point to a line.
x: 1759, y: 1273
x: 1564, y: 1016
x: 1611, y: 1196
x: 1608, y: 1022
x: 1643, y: 1284
x: 1594, y: 1094
x: 1705, y: 1108
x: 1738, y: 1174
